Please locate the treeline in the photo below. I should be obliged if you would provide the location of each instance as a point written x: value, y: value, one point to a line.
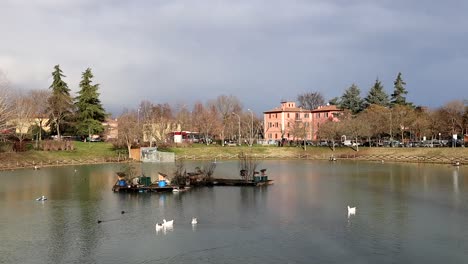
x: 23, y: 115
x: 379, y: 116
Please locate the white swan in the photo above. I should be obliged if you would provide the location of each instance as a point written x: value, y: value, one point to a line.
x: 168, y: 223
x: 194, y: 221
x: 159, y: 226
x: 42, y: 198
x: 351, y: 210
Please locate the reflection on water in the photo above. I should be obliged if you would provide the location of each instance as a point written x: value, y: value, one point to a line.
x: 402, y: 211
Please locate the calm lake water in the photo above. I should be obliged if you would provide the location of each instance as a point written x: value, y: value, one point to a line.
x: 406, y: 213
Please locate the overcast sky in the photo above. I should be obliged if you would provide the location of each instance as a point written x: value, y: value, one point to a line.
x: 261, y: 51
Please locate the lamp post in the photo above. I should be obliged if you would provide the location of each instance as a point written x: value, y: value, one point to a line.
x: 439, y: 140
x: 239, y: 135
x: 251, y: 128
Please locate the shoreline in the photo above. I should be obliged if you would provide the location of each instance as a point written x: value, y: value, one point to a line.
x: 434, y: 159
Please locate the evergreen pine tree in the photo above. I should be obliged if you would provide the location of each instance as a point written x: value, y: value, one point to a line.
x: 398, y: 95
x: 90, y: 113
x: 376, y: 95
x: 60, y: 102
x: 351, y: 99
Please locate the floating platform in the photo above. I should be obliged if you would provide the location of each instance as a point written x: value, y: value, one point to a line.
x: 239, y: 182
x: 140, y: 189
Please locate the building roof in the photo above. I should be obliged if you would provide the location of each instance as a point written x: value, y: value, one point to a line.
x: 286, y: 109
x: 324, y: 108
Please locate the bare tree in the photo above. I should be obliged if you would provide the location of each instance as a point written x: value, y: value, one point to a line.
x: 248, y: 166
x: 225, y: 106
x: 183, y: 117
x: 331, y: 131
x: 206, y: 120
x: 41, y: 98
x: 453, y: 114
x: 159, y: 123
x: 299, y: 130
x: 5, y: 103
x: 310, y: 100
x: 129, y: 132
x: 403, y: 116
x: 22, y: 115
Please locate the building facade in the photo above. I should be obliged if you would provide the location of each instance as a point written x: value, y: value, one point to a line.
x: 290, y: 122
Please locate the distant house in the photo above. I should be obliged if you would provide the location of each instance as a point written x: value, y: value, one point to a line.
x: 282, y: 122
x: 111, y: 127
x: 23, y: 126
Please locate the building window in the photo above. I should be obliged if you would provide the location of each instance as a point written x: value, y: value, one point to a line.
x: 269, y: 136
x: 288, y: 124
x: 288, y: 115
x: 288, y: 135
x: 269, y: 124
x: 318, y: 115
x: 276, y: 136
x: 276, y: 124
x: 306, y: 115
x: 297, y: 115
x: 326, y: 114
x: 276, y: 115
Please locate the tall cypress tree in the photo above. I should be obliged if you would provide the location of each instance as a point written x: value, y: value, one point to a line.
x: 376, y: 95
x: 60, y: 102
x: 90, y: 113
x: 351, y: 99
x: 398, y: 95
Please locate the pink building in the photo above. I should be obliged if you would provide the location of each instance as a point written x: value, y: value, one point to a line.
x: 286, y: 120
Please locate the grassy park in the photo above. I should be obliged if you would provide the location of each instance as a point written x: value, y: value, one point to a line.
x: 103, y: 150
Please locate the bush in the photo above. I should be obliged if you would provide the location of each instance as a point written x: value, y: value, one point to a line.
x: 6, y: 147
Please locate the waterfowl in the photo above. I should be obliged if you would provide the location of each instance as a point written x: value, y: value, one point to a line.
x: 194, y: 221
x: 168, y: 223
x: 351, y: 210
x: 159, y: 226
x: 42, y: 198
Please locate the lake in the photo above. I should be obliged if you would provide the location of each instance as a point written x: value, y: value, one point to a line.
x: 406, y: 213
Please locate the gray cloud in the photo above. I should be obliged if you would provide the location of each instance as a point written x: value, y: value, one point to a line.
x: 260, y: 51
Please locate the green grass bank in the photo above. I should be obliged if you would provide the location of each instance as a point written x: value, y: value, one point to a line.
x: 101, y: 152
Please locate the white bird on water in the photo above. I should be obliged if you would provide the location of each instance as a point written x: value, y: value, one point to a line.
x: 168, y: 223
x: 351, y: 211
x: 42, y: 198
x: 159, y: 226
x: 194, y: 221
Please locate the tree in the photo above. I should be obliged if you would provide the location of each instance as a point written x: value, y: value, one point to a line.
x: 403, y: 117
x: 60, y: 102
x: 334, y: 101
x: 90, y: 113
x: 453, y: 113
x: 225, y: 106
x: 331, y: 131
x: 159, y: 123
x: 206, y: 121
x: 398, y: 95
x: 351, y: 99
x: 5, y: 104
x: 310, y: 100
x: 129, y: 131
x: 41, y: 98
x: 376, y: 95
x: 22, y: 114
